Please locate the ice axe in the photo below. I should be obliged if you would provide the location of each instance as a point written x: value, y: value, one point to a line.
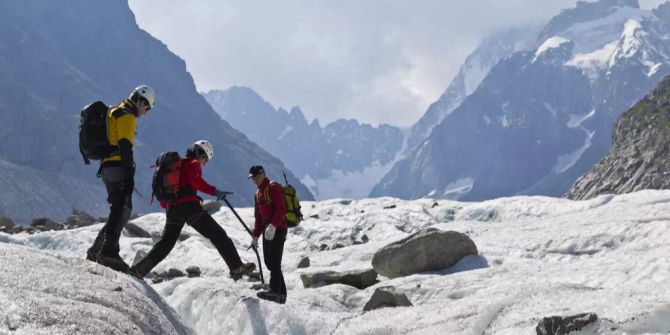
x: 260, y: 266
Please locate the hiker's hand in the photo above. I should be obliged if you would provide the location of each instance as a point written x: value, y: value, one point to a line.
x: 270, y: 232
x: 221, y: 194
x: 254, y: 242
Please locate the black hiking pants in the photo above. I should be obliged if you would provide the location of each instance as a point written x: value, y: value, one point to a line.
x: 193, y: 214
x: 119, y: 187
x: 272, y: 255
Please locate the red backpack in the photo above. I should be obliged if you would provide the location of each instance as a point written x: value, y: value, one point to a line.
x: 167, y: 172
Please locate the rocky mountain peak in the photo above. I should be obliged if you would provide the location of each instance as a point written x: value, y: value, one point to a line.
x: 640, y: 154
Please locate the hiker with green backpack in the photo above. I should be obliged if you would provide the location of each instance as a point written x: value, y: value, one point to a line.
x: 276, y: 208
x: 176, y: 183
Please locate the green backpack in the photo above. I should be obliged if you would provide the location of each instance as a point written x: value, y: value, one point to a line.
x: 293, y: 214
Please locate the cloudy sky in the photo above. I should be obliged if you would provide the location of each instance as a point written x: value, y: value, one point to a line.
x: 372, y: 60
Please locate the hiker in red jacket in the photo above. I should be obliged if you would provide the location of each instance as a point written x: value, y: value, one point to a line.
x: 187, y: 209
x: 269, y: 212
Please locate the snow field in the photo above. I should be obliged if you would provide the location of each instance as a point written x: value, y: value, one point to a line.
x: 539, y: 256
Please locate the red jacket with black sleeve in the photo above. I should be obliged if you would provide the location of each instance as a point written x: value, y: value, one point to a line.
x: 269, y: 212
x: 191, y: 179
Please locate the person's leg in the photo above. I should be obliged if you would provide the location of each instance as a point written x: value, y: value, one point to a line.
x: 273, y: 253
x: 206, y: 226
x: 105, y: 249
x: 161, y: 249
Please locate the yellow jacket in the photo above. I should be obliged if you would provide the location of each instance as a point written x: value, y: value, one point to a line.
x: 121, y: 123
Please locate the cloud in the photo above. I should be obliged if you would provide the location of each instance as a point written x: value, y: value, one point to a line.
x: 376, y: 61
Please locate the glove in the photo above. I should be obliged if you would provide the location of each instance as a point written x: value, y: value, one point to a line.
x: 221, y: 194
x: 254, y: 242
x: 270, y: 232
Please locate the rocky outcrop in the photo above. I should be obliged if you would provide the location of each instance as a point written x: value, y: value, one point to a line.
x: 79, y: 219
x: 304, y: 263
x: 356, y: 278
x: 167, y: 275
x: 136, y: 231
x: 427, y: 250
x: 640, y: 154
x: 562, y: 325
x: 7, y: 225
x: 386, y: 297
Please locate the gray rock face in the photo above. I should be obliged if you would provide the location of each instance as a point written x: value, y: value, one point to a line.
x: 46, y: 224
x: 139, y: 255
x: 79, y: 219
x: 193, y: 271
x: 167, y: 275
x: 427, y: 250
x: 562, y: 325
x: 640, y: 154
x: 356, y: 278
x: 7, y: 225
x: 51, y: 68
x: 304, y: 263
x: 386, y: 297
x: 136, y: 231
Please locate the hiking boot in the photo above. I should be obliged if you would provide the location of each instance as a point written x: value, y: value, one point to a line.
x: 272, y: 296
x: 91, y: 254
x: 244, y: 269
x: 114, y: 262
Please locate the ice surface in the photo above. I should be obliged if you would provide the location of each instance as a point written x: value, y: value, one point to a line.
x: 538, y: 256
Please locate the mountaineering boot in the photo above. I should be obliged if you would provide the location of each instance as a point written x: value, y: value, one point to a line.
x: 244, y: 269
x: 114, y: 262
x: 109, y: 256
x: 93, y: 252
x: 272, y: 296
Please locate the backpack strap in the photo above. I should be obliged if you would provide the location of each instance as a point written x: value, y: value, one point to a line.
x: 120, y: 111
x: 266, y: 193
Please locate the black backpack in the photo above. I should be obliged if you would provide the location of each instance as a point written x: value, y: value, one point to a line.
x: 167, y: 172
x: 93, y: 142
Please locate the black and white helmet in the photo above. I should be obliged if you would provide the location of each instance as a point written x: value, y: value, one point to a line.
x: 205, y: 147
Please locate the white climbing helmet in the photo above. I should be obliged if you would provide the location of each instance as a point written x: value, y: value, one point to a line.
x: 205, y: 147
x: 146, y: 92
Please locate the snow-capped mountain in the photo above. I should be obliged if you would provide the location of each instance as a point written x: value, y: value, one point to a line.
x: 542, y: 118
x: 538, y: 257
x: 475, y: 68
x: 55, y: 59
x: 342, y: 159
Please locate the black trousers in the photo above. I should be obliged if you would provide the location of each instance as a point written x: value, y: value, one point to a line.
x: 272, y: 255
x: 119, y: 187
x: 193, y: 214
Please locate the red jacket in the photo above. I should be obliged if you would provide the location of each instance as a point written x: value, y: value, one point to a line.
x: 265, y: 212
x: 191, y: 176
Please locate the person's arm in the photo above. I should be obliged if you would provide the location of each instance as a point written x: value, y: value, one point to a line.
x: 198, y: 183
x: 276, y: 193
x: 125, y: 126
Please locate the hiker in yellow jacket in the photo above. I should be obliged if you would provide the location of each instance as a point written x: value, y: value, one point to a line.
x: 117, y: 171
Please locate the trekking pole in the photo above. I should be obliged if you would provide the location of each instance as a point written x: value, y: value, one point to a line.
x: 260, y: 266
